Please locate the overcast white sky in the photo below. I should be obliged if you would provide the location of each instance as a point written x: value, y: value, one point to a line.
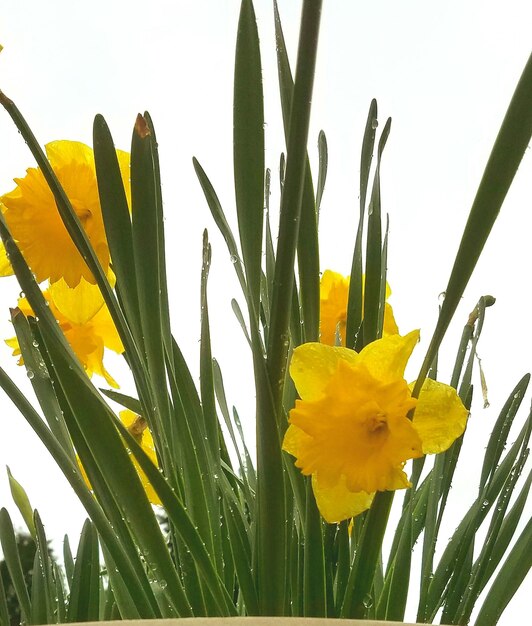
x: 445, y: 72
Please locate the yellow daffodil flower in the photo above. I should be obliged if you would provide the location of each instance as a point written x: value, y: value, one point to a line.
x: 85, y: 321
x: 350, y: 430
x: 138, y: 427
x: 33, y: 219
x: 334, y: 292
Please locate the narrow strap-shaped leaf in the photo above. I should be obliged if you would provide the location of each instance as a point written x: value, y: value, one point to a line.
x: 510, y: 145
x: 43, y: 557
x: 222, y: 403
x: 241, y: 553
x: 475, y: 586
x: 305, y: 226
x: 271, y: 555
x: 314, y: 591
x: 206, y: 375
x: 269, y: 250
x: 59, y: 593
x: 455, y: 551
x: 183, y: 524
x: 240, y: 318
x: 507, y: 530
x: 117, y: 220
x: 367, y: 556
x: 38, y: 594
x: 501, y: 429
x: 250, y: 469
x: 292, y: 191
x: 323, y: 160
x: 375, y: 271
x: 459, y: 580
x: 29, y: 340
x: 14, y: 567
x: 126, y: 401
x: 343, y: 564
x: 141, y: 593
x: 354, y: 305
x: 208, y: 405
x: 440, y: 480
x: 248, y: 148
x: 68, y: 560
x: 53, y: 388
x: 271, y: 536
x: 221, y: 221
x: 4, y: 616
x: 163, y: 283
x: 198, y: 470
x: 122, y: 595
x: 95, y: 421
x: 146, y: 215
x: 84, y: 592
x: 418, y: 513
x: 392, y: 602
x: 510, y: 577
x: 383, y: 284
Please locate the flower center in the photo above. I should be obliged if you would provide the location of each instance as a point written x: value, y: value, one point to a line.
x: 377, y: 429
x: 377, y: 422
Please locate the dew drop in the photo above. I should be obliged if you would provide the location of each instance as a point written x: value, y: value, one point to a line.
x: 374, y: 123
x: 30, y: 374
x: 367, y: 601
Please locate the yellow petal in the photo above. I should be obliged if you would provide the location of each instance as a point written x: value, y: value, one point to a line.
x: 14, y: 345
x: 89, y: 349
x: 334, y: 293
x: 386, y: 358
x: 440, y: 416
x: 389, y: 326
x: 62, y: 153
x: 103, y: 326
x: 5, y: 265
x: 314, y: 364
x: 78, y: 304
x: 124, y: 164
x: 294, y: 440
x: 338, y: 503
x: 127, y: 417
x: 144, y: 437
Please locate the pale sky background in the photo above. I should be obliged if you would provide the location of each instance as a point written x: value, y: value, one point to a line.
x: 445, y: 72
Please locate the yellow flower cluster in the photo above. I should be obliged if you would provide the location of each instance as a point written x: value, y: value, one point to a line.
x: 70, y: 290
x: 351, y: 429
x: 34, y: 221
